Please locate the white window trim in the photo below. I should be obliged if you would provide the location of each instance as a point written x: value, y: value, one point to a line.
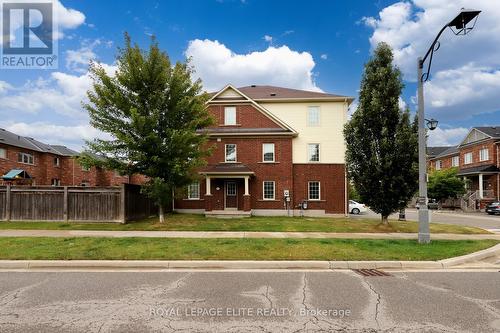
x: 455, y: 159
x: 26, y: 154
x: 225, y: 116
x: 438, y: 164
x: 235, y: 152
x: 263, y: 190
x: 189, y: 191
x: 319, y: 153
x: 465, y: 158
x: 481, y: 159
x: 309, y: 118
x: 5, y: 153
x: 309, y: 190
x: 274, y: 153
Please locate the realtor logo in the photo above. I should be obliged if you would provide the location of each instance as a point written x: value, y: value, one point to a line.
x: 27, y: 32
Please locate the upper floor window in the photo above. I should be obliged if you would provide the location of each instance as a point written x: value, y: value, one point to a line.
x: 56, y: 161
x: 313, y: 152
x: 268, y: 152
x: 314, y: 190
x: 455, y: 161
x: 438, y: 165
x: 3, y: 153
x: 268, y: 190
x: 484, y: 154
x: 231, y: 152
x: 193, y: 190
x: 467, y: 158
x: 55, y: 182
x: 25, y: 158
x: 313, y: 116
x: 230, y: 115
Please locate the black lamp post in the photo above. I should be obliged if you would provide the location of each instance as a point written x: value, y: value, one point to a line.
x: 460, y: 25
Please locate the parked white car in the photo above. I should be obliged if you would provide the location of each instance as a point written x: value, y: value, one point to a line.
x: 356, y: 207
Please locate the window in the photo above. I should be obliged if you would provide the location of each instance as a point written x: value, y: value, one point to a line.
x: 438, y: 165
x: 467, y: 158
x: 55, y: 182
x: 313, y: 116
x: 313, y: 152
x: 3, y: 153
x: 56, y: 161
x: 455, y: 161
x: 268, y: 190
x: 314, y: 188
x: 268, y: 152
x: 231, y: 189
x: 484, y: 155
x: 25, y: 158
x: 193, y: 190
x: 230, y: 115
x: 231, y: 153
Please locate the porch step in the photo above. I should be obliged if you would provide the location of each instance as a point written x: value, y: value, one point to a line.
x: 227, y: 214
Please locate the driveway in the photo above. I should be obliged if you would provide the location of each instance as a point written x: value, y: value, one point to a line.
x: 480, y: 220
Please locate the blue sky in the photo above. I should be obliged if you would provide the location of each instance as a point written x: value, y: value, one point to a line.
x: 318, y: 45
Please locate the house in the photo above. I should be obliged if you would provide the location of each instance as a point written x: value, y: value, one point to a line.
x: 274, y: 148
x: 477, y: 158
x: 24, y: 160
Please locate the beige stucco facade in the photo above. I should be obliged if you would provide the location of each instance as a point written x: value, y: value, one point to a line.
x: 329, y: 133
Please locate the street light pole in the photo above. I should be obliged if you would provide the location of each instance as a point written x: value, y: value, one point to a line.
x: 424, y: 235
x: 460, y: 23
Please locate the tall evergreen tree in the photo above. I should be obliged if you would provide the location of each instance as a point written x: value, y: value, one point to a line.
x: 152, y: 111
x: 382, y: 142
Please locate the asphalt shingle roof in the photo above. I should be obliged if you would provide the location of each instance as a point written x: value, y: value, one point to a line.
x: 493, y: 131
x: 15, y: 140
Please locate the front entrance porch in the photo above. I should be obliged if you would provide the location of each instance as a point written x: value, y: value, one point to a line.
x: 227, y: 192
x: 482, y: 185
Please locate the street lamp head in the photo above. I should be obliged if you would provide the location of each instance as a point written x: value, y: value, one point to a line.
x: 432, y: 123
x: 459, y: 25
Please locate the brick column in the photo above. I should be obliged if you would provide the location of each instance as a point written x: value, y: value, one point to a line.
x: 246, y: 203
x: 208, y: 202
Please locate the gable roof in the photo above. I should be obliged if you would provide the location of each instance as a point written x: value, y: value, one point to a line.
x: 15, y: 140
x: 450, y: 151
x: 275, y: 93
x: 493, y: 131
x: 477, y: 134
x: 259, y: 107
x: 434, y: 151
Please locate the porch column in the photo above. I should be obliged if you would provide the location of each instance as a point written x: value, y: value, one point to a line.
x: 208, y: 181
x: 246, y: 185
x: 480, y: 186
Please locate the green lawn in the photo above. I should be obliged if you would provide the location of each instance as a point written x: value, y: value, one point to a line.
x: 188, y: 222
x: 233, y: 249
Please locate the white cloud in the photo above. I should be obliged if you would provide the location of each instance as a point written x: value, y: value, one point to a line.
x: 401, y: 103
x: 465, y: 70
x: 70, y: 136
x: 324, y: 56
x: 4, y: 86
x: 447, y: 136
x: 268, y: 38
x: 78, y: 60
x: 217, y: 66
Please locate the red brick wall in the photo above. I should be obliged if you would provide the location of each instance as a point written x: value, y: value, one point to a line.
x: 285, y: 174
x: 490, y: 145
x: 247, y: 116
x: 332, y: 186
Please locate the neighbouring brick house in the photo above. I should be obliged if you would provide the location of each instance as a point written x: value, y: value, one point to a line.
x: 52, y: 164
x: 477, y: 158
x: 270, y: 142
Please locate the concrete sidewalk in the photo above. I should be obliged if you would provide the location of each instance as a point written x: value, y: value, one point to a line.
x: 232, y: 234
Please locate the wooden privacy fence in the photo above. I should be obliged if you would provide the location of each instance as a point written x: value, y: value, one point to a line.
x: 69, y: 203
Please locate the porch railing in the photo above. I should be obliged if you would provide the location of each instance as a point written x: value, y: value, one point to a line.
x: 487, y: 194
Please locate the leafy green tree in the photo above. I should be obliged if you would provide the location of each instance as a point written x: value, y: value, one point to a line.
x: 353, y: 193
x: 382, y: 153
x: 444, y: 184
x: 153, y: 112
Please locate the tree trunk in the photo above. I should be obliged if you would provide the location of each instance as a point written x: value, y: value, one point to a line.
x: 161, y: 214
x: 385, y: 220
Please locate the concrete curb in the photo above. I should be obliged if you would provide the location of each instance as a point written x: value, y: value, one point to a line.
x: 247, y: 264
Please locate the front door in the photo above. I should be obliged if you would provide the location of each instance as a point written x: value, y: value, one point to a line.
x: 231, y: 198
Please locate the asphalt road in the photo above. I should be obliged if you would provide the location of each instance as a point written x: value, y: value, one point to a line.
x: 291, y: 301
x: 480, y: 220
